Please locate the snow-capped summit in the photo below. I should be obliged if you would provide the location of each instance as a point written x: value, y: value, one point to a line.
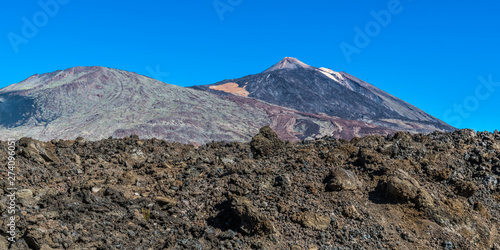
x: 289, y: 63
x: 293, y: 84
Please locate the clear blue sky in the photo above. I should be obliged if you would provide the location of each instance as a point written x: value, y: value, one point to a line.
x: 429, y: 53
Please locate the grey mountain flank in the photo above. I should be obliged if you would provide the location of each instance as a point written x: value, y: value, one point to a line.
x: 294, y: 84
x: 297, y: 100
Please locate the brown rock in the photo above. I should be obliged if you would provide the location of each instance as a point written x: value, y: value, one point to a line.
x: 351, y: 212
x: 342, y: 179
x: 464, y: 188
x: 40, y: 152
x: 34, y: 237
x: 25, y: 196
x: 166, y: 201
x: 311, y: 220
x: 252, y: 220
x: 266, y: 142
x: 312, y: 247
x: 424, y: 199
x: 46, y: 247
x: 479, y: 207
x: 402, y: 187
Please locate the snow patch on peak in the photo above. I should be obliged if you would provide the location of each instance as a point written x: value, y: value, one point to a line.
x: 327, y: 70
x: 289, y: 63
x: 336, y: 76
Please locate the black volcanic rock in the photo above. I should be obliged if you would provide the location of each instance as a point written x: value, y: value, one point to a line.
x: 131, y: 193
x: 266, y: 142
x: 294, y: 84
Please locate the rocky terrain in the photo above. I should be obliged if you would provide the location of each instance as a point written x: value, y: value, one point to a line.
x: 401, y: 191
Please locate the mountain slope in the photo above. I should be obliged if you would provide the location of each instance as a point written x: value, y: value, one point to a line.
x: 98, y: 102
x: 294, y: 84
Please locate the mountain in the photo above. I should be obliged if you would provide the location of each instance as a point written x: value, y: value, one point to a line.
x: 294, y: 84
x: 99, y: 102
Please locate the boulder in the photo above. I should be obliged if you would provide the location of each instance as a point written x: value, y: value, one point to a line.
x: 464, y: 188
x: 40, y: 152
x: 252, y: 220
x: 342, y: 179
x: 166, y: 201
x: 403, y: 188
x: 266, y: 142
x: 312, y: 220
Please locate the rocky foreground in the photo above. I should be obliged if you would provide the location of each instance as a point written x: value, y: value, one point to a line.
x: 403, y: 191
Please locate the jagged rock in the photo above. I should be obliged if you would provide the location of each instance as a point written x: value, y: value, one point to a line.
x: 479, y: 207
x: 252, y: 220
x: 166, y: 201
x: 342, y: 179
x: 37, y: 151
x: 464, y: 188
x: 311, y: 220
x: 402, y: 187
x: 350, y: 211
x: 25, y: 196
x: 282, y: 180
x: 266, y: 142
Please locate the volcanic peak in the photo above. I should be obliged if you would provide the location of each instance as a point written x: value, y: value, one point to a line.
x: 289, y: 63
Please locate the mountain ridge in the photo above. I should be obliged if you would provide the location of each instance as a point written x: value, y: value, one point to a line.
x: 297, y: 100
x: 99, y: 102
x: 321, y: 90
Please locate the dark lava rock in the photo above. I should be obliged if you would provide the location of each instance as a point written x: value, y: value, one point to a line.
x: 402, y: 187
x: 408, y: 191
x: 252, y: 221
x: 341, y: 179
x: 266, y: 142
x: 314, y: 221
x: 464, y: 188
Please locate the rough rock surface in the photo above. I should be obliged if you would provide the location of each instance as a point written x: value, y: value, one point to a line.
x: 404, y: 191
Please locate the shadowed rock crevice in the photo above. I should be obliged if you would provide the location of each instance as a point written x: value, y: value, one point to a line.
x: 17, y: 110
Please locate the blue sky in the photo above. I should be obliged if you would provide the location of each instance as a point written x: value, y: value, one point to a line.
x: 431, y: 54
